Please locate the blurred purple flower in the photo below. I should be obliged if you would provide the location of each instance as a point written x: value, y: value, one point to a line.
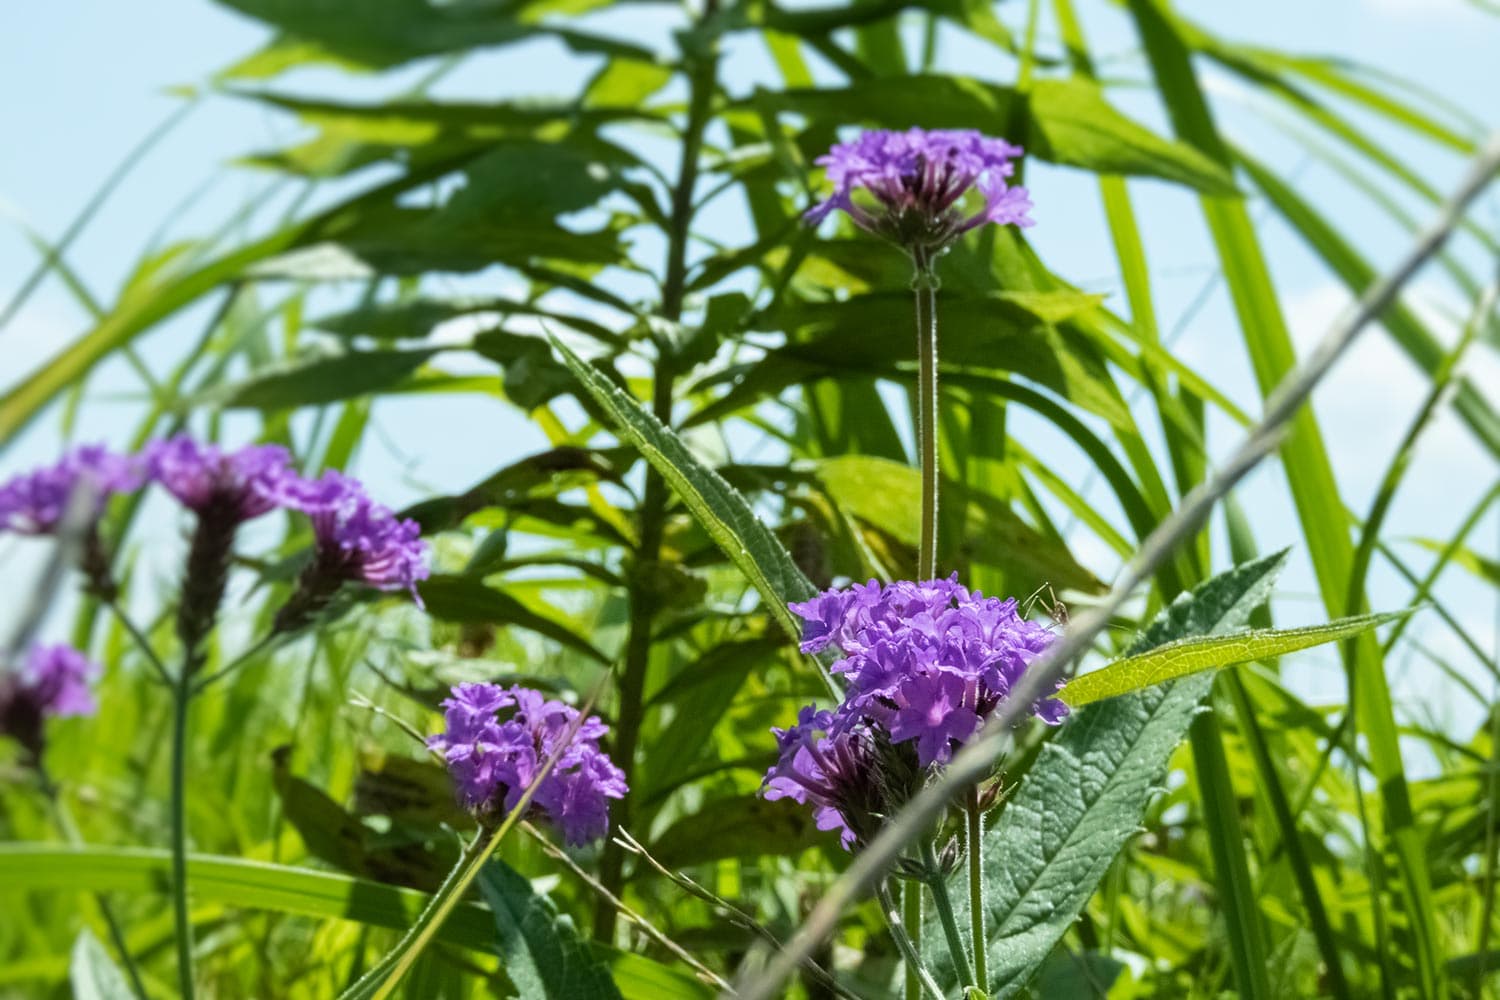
x: 34, y: 503
x: 235, y: 485
x: 918, y: 179
x: 358, y: 539
x: 52, y: 682
x: 493, y: 761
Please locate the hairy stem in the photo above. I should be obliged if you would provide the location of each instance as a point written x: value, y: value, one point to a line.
x: 944, y: 907
x: 975, y: 838
x: 895, y: 919
x: 911, y: 922
x: 924, y: 285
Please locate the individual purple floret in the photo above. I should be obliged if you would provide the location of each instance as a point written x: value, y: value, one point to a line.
x: 358, y: 539
x: 52, y: 682
x: 34, y: 503
x: 917, y: 180
x: 496, y: 741
x: 237, y: 485
x: 928, y: 664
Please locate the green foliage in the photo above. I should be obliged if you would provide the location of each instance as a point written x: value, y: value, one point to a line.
x: 736, y: 440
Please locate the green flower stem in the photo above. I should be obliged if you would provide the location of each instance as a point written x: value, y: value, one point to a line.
x: 896, y: 920
x: 182, y: 696
x: 925, y: 284
x: 975, y: 838
x: 911, y: 923
x: 944, y: 907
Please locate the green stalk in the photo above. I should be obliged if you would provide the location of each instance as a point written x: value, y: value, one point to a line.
x: 897, y: 921
x: 653, y: 512
x: 181, y: 698
x: 927, y: 412
x: 911, y: 923
x: 944, y: 907
x: 975, y: 838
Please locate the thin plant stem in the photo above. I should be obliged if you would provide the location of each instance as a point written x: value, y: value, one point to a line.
x: 69, y: 829
x: 911, y: 922
x: 1487, y: 892
x: 944, y: 907
x: 974, y: 835
x: 557, y: 854
x: 895, y: 919
x: 924, y: 285
x: 141, y: 642
x: 182, y: 696
x: 733, y: 913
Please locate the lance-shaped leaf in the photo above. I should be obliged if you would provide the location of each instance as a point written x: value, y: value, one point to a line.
x: 1084, y: 797
x: 1199, y: 653
x: 724, y: 513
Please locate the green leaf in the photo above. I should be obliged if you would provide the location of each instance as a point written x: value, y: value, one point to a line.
x: 1190, y: 656
x: 1083, y: 798
x: 870, y: 335
x: 544, y: 955
x: 724, y: 513
x: 467, y: 600
x: 888, y: 495
x: 93, y: 973
x: 320, y: 381
x: 743, y: 826
x: 1070, y: 122
x: 258, y: 885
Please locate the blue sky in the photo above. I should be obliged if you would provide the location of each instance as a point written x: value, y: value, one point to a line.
x: 95, y: 78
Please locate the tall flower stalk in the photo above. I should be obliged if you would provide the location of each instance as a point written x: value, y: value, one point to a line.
x: 911, y: 187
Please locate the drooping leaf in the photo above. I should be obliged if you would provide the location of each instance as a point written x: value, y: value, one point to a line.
x: 321, y: 381
x: 1199, y: 653
x: 544, y: 954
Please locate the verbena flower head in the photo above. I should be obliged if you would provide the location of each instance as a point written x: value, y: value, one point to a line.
x: 917, y: 180
x: 928, y: 665
x: 358, y: 539
x: 240, y: 484
x: 52, y: 682
x: 35, y: 503
x: 496, y: 742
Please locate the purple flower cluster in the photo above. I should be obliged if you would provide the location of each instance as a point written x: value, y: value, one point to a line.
x: 52, y: 682
x: 364, y: 540
x: 493, y: 760
x: 36, y: 502
x: 918, y: 179
x: 928, y: 664
x: 358, y: 539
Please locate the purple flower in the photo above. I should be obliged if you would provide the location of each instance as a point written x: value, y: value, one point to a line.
x: 917, y: 180
x: 357, y: 538
x: 53, y: 682
x: 240, y: 484
x: 493, y: 760
x: 34, y: 503
x: 928, y: 664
